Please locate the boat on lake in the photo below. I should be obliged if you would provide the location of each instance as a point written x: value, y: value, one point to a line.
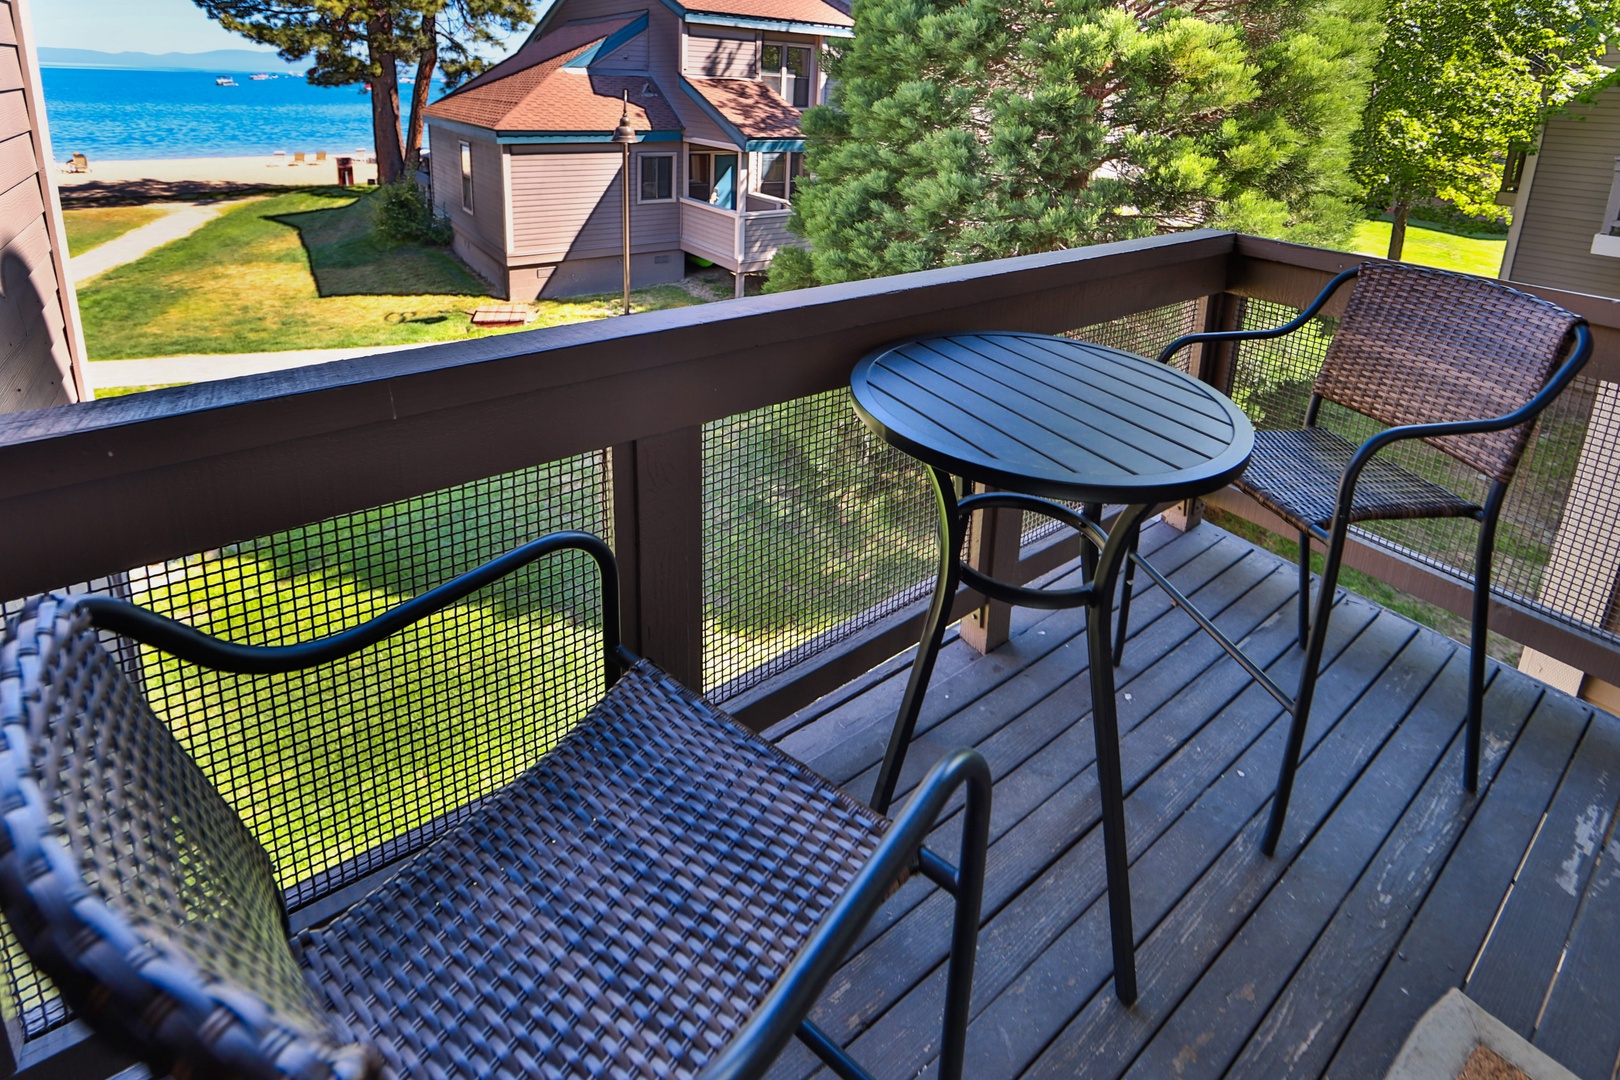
x: 224, y: 80
x: 260, y: 77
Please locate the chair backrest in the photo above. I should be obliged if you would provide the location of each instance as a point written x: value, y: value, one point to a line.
x: 131, y: 882
x: 1421, y: 346
x: 81, y: 163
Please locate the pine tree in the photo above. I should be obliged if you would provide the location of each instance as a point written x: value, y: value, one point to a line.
x: 963, y: 130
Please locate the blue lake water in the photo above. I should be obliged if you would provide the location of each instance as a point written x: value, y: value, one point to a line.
x: 121, y: 114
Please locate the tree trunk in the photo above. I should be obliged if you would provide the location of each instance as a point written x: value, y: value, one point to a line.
x: 1397, y: 230
x: 419, y: 93
x: 385, y: 100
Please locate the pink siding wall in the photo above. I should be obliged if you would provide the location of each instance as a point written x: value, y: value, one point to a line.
x: 37, y: 341
x: 720, y: 53
x: 709, y: 232
x: 566, y: 203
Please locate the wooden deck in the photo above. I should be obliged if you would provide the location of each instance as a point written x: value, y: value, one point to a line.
x: 1390, y: 886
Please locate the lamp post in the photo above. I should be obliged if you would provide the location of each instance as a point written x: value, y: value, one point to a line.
x: 625, y: 136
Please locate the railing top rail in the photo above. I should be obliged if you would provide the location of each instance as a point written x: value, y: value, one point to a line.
x: 190, y: 468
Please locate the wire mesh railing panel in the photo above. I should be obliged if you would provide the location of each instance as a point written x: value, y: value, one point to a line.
x: 348, y: 767
x: 1545, y: 557
x: 813, y: 528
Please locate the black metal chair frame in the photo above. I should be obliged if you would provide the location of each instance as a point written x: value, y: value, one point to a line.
x: 1313, y: 632
x: 783, y: 1012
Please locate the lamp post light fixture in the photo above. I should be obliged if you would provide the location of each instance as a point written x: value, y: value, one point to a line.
x: 625, y: 136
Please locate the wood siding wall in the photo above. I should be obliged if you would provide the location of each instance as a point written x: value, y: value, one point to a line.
x: 38, y: 341
x: 764, y: 234
x: 720, y: 53
x: 566, y: 204
x: 631, y: 56
x: 488, y: 218
x: 709, y: 232
x: 1564, y: 207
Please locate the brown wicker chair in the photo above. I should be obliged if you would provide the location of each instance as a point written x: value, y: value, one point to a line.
x: 1462, y: 363
x: 664, y: 894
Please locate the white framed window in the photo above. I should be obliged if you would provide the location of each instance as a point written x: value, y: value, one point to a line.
x: 777, y: 174
x: 466, y: 177
x: 657, y: 178
x: 787, y: 68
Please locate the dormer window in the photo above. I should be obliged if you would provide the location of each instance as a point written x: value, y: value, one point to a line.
x: 787, y: 69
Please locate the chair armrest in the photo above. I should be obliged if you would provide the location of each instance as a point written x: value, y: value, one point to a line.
x: 757, y: 1045
x: 159, y: 631
x: 1277, y: 331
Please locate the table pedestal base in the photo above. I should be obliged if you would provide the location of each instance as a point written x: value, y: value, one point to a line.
x: 1103, y: 554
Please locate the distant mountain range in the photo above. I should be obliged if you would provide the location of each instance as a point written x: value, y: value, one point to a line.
x: 221, y: 60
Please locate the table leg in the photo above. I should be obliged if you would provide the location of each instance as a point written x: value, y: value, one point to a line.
x: 1105, y: 726
x: 952, y: 532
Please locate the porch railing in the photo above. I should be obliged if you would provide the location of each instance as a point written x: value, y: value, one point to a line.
x: 771, y: 550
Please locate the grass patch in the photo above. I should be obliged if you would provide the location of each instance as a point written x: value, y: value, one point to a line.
x: 1402, y: 603
x: 302, y: 270
x: 102, y: 393
x: 91, y: 227
x: 1434, y: 247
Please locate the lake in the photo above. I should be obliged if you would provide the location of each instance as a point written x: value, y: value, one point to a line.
x: 113, y: 113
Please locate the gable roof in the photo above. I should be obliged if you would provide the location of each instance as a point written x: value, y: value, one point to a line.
x: 819, y: 12
x: 754, y: 108
x: 536, y: 89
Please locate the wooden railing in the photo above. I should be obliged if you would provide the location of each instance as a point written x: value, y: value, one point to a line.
x: 90, y: 491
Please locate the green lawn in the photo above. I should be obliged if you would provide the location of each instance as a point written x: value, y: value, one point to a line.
x: 93, y: 226
x: 301, y: 270
x: 1432, y: 247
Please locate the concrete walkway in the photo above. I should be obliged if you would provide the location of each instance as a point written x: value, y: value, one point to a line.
x: 164, y: 370
x: 182, y: 219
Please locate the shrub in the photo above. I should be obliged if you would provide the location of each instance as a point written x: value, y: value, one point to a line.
x: 404, y: 214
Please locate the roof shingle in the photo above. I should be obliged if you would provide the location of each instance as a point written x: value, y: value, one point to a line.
x: 823, y: 12
x: 755, y: 108
x: 534, y: 91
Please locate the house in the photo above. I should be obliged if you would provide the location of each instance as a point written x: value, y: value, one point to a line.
x: 42, y: 362
x: 1566, y: 202
x: 1566, y: 235
x: 525, y: 168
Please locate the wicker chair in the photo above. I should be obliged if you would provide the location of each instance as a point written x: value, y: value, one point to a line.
x: 1462, y: 363
x: 664, y: 894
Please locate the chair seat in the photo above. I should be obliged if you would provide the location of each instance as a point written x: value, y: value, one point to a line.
x: 1296, y: 474
x: 619, y: 910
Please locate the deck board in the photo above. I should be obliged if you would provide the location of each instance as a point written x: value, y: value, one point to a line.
x: 1317, y: 962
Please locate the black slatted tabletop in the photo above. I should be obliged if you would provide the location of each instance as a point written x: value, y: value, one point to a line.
x: 1053, y: 417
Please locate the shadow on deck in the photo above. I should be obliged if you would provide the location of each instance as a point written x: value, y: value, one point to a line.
x: 1390, y: 887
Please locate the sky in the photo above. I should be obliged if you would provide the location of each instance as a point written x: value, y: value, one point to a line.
x: 152, y: 26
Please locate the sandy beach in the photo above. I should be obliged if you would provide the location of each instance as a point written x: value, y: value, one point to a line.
x: 221, y: 170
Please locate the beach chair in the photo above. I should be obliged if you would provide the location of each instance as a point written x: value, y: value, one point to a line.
x: 80, y: 163
x: 298, y: 158
x: 320, y: 156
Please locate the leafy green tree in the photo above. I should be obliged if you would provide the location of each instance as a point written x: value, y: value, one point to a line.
x: 963, y: 130
x: 366, y: 41
x: 1458, y: 82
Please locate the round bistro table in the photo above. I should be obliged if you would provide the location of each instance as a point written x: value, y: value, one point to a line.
x: 1038, y: 419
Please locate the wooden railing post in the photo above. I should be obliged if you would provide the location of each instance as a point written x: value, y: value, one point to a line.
x: 994, y: 543
x: 658, y: 534
x: 1211, y: 364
